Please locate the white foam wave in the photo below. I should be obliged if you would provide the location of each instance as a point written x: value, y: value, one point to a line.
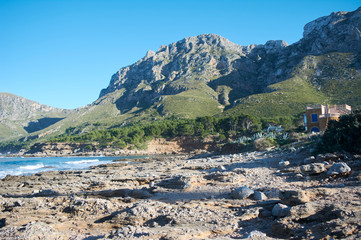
x: 32, y: 167
x: 83, y: 161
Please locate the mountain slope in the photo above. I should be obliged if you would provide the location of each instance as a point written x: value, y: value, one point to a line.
x: 20, y: 116
x: 210, y: 71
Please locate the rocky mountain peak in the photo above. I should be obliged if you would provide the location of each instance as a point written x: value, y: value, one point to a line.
x: 226, y: 69
x: 198, y: 55
x: 149, y: 54
x: 340, y: 31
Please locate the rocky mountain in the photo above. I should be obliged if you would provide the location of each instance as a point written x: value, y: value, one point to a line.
x: 20, y: 116
x: 209, y: 75
x: 210, y: 72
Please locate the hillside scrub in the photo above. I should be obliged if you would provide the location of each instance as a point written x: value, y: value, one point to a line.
x: 139, y: 133
x: 343, y: 135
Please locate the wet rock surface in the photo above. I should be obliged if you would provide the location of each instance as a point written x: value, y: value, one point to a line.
x: 246, y: 195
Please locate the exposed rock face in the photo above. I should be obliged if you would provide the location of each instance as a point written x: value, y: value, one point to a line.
x: 218, y: 63
x: 339, y: 31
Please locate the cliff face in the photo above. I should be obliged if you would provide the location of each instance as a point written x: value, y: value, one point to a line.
x: 225, y: 71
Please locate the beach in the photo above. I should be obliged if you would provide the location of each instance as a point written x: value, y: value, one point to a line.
x: 256, y: 195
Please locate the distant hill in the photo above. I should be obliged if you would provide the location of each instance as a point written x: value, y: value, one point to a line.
x: 20, y: 116
x: 210, y: 75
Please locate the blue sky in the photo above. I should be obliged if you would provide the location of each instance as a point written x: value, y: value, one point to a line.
x: 63, y: 52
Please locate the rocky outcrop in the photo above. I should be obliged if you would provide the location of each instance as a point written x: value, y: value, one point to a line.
x: 340, y: 32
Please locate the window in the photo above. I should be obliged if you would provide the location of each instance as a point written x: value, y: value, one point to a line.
x: 315, y: 129
x: 314, y: 117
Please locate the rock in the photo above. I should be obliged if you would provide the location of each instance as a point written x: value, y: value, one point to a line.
x: 134, y: 193
x: 330, y: 157
x: 250, y: 214
x: 178, y: 182
x: 139, y: 194
x: 2, y: 222
x: 284, y: 228
x: 284, y: 163
x: 309, y: 160
x: 256, y: 235
x: 265, y: 213
x: 259, y: 196
x: 292, y: 149
x: 313, y: 168
x: 241, y: 193
x: 39, y: 230
x: 46, y: 193
x: 304, y: 210
x: 339, y: 168
x: 327, y: 157
x: 231, y: 177
x: 280, y: 210
x: 294, y: 197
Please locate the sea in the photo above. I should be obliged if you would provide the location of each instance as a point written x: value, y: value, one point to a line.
x: 27, y: 166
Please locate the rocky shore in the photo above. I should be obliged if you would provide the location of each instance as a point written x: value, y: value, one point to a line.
x: 257, y: 195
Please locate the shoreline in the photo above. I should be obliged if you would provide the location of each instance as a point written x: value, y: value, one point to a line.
x: 255, y: 195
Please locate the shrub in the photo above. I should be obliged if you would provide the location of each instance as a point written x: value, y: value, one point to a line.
x: 262, y: 144
x: 344, y: 134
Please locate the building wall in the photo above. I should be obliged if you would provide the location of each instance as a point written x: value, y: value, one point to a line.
x: 321, y: 124
x: 311, y: 124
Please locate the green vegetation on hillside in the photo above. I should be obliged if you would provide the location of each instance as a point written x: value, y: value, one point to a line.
x: 344, y: 134
x: 191, y: 104
x: 288, y: 99
x: 137, y: 134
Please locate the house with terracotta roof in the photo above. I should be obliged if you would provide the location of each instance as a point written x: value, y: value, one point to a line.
x: 317, y: 117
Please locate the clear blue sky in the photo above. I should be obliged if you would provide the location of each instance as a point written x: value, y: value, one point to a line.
x: 63, y: 52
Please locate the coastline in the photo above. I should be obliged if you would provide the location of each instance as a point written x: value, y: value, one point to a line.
x: 178, y: 197
x: 157, y: 146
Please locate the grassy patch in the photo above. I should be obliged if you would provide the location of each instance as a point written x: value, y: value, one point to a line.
x: 288, y: 98
x: 191, y: 104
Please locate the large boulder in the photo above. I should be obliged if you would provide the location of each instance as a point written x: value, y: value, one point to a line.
x: 259, y: 196
x: 242, y: 193
x: 184, y: 183
x: 280, y: 210
x: 313, y: 168
x: 339, y: 168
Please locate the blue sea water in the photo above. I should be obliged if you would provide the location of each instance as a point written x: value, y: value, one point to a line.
x: 25, y: 166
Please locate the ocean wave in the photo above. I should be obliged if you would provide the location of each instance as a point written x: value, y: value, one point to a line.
x: 83, y: 161
x: 32, y: 167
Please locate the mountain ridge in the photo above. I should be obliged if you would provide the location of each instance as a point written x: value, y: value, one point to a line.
x: 20, y: 116
x: 225, y: 68
x: 210, y: 75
